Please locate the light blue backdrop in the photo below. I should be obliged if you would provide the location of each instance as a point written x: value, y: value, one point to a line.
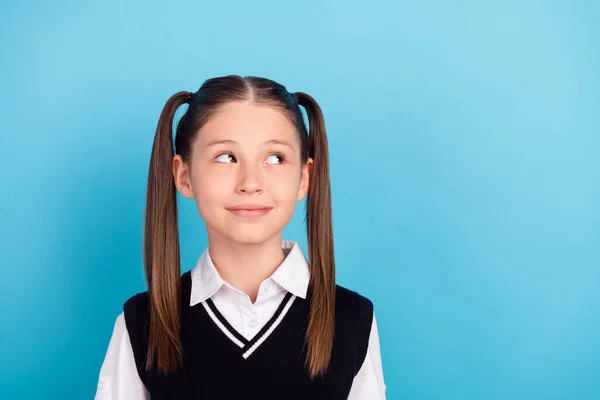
x: 465, y: 145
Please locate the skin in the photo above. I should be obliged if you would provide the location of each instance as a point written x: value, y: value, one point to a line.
x: 249, y: 171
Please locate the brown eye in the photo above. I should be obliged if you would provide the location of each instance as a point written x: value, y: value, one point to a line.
x: 221, y: 156
x: 277, y: 156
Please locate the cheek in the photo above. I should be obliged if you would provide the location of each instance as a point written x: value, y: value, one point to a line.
x: 211, y: 179
x: 285, y: 189
x: 209, y: 192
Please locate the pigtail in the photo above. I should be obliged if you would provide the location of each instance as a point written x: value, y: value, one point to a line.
x: 321, y: 319
x: 161, y: 246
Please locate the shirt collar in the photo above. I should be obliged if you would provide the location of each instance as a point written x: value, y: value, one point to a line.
x: 293, y: 274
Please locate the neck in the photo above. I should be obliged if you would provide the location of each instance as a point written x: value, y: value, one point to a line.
x: 245, y: 265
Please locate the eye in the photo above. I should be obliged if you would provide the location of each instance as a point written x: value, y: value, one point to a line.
x: 220, y: 156
x: 277, y: 155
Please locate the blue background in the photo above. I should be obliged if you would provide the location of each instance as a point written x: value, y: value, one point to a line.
x: 465, y: 165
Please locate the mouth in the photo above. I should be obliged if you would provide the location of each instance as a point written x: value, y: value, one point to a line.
x: 250, y: 211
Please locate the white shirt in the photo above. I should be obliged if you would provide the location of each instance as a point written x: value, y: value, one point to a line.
x: 119, y: 379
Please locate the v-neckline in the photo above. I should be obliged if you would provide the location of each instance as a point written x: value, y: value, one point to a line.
x: 248, y: 347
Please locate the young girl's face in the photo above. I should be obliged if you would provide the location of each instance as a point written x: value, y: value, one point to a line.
x: 245, y: 155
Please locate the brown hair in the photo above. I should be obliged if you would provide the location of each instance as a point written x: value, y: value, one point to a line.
x: 161, y: 236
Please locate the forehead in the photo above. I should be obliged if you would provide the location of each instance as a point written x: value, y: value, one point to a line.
x: 246, y: 122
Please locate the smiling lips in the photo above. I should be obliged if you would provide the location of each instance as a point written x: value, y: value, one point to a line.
x: 249, y: 210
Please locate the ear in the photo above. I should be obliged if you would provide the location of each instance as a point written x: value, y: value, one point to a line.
x: 182, y: 177
x: 305, y: 179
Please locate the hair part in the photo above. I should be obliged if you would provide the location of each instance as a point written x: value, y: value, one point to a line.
x: 161, y: 234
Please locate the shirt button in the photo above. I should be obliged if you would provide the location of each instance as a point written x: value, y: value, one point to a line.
x: 253, y: 323
x: 266, y: 287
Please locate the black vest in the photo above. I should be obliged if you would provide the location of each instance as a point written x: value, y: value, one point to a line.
x: 270, y: 366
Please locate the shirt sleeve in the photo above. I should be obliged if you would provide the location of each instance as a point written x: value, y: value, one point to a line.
x: 368, y: 383
x: 119, y: 378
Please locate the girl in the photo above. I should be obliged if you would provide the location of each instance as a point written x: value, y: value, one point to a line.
x: 254, y: 319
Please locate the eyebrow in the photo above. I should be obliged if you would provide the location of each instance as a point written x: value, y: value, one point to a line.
x: 233, y: 142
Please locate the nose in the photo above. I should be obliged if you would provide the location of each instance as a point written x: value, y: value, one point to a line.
x: 250, y: 179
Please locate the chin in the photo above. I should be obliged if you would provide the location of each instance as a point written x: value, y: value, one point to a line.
x: 249, y: 234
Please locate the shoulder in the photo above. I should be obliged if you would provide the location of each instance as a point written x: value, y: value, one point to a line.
x: 354, y: 313
x: 350, y: 304
x: 347, y: 298
x: 136, y: 303
x: 119, y: 331
x: 138, y: 298
x: 136, y: 315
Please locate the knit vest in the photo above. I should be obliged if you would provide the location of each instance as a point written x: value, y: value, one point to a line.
x: 219, y: 363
